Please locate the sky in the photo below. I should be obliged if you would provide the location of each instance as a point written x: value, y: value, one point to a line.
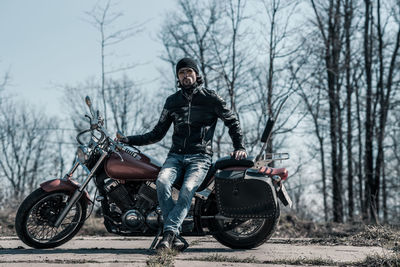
x: 45, y: 44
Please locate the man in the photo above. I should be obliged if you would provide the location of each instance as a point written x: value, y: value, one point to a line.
x: 194, y: 111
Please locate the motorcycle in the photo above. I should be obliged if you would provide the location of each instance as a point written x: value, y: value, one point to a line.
x: 237, y: 203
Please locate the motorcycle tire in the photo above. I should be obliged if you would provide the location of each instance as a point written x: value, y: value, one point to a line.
x: 265, y: 227
x: 37, y: 213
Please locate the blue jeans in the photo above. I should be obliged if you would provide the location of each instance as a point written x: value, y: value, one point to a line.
x: 194, y: 167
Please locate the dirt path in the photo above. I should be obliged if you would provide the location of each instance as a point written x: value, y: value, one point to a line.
x: 204, y: 251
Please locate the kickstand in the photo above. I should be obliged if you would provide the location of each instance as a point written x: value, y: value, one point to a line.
x: 153, y: 244
x: 186, y: 244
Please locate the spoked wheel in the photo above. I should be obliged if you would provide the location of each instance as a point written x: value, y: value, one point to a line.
x: 37, y: 214
x: 239, y: 233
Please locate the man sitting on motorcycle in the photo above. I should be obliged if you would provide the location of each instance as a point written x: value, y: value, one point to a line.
x: 194, y: 111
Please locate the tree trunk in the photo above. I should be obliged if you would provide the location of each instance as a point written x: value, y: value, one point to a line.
x: 368, y: 211
x: 360, y: 153
x: 349, y: 90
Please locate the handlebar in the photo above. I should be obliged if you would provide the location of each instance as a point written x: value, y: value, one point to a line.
x: 96, y: 124
x: 79, y: 136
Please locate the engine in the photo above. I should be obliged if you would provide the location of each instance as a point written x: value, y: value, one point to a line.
x: 137, y: 207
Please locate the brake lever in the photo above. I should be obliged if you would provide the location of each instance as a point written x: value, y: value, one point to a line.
x: 116, y: 152
x: 115, y: 147
x: 122, y: 160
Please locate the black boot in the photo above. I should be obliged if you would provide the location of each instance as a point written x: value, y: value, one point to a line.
x: 179, y: 243
x: 166, y: 241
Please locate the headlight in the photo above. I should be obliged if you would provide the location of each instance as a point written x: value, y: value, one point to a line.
x: 82, y: 153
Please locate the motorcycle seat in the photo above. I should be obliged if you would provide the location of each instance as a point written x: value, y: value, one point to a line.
x: 226, y: 162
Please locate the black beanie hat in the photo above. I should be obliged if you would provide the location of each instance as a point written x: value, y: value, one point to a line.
x: 186, y: 63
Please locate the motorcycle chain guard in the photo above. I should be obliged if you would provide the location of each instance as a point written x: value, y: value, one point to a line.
x: 242, y: 194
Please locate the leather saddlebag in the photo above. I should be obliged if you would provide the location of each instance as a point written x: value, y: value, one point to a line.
x: 245, y: 194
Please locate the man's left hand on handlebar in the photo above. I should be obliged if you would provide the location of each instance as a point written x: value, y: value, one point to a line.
x: 239, y: 154
x: 122, y: 140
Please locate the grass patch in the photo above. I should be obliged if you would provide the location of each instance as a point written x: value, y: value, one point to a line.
x: 221, y: 258
x: 392, y: 260
x: 94, y: 226
x: 7, y: 219
x: 162, y: 258
x: 354, y: 234
x: 396, y: 248
x: 233, y: 259
x: 377, y: 236
x: 304, y: 261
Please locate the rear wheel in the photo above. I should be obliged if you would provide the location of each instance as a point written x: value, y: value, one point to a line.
x: 38, y: 213
x: 239, y: 233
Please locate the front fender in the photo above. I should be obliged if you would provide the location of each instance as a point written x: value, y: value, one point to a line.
x: 65, y: 185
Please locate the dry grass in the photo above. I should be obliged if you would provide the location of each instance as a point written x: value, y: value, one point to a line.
x: 94, y: 226
x: 292, y: 227
x: 355, y: 234
x: 7, y: 219
x: 163, y: 258
x: 391, y: 260
x: 222, y: 258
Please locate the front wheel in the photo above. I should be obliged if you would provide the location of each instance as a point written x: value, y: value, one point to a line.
x: 240, y: 233
x: 38, y: 213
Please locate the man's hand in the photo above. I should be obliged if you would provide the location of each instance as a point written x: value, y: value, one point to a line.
x: 122, y: 139
x: 239, y: 154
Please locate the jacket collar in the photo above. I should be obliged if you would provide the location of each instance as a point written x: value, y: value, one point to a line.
x: 189, y: 92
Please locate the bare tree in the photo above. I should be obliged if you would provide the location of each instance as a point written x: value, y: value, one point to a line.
x: 25, y: 152
x: 103, y: 18
x: 269, y: 88
x: 328, y: 20
x: 187, y: 32
x: 381, y: 54
x: 315, y: 105
x: 122, y: 101
x: 126, y: 104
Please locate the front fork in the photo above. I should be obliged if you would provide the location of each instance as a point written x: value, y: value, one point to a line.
x: 78, y: 193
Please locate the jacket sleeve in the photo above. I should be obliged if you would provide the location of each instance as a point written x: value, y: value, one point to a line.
x: 155, y: 135
x: 231, y: 121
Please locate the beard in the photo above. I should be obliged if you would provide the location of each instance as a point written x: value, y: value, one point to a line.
x: 188, y: 82
x: 189, y: 89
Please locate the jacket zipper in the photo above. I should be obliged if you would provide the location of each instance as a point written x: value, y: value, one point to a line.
x: 188, y: 120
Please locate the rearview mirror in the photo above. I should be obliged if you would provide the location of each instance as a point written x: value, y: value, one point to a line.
x: 88, y: 101
x: 89, y: 104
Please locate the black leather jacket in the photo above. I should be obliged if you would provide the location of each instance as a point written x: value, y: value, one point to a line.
x: 194, y: 116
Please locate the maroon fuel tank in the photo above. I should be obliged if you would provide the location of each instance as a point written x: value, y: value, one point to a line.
x: 135, y: 168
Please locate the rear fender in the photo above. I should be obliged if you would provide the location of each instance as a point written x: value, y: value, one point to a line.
x: 65, y: 185
x: 284, y: 196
